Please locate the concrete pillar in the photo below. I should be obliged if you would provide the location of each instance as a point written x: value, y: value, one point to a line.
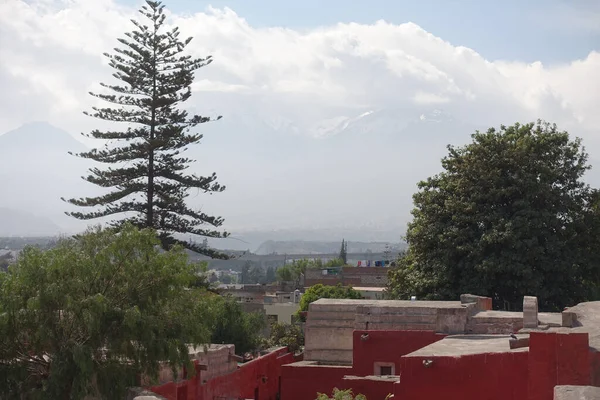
x: 530, y: 312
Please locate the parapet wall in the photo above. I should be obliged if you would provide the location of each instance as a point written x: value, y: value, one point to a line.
x: 331, y: 323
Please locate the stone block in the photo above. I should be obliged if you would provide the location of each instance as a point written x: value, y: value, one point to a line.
x: 530, y: 312
x: 569, y: 319
x: 576, y: 393
x: 518, y: 343
x: 481, y: 303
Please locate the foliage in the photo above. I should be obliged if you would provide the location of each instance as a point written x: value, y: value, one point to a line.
x: 148, y: 180
x: 5, y: 260
x: 270, y: 277
x: 321, y: 291
x: 286, y: 335
x: 285, y: 274
x: 341, y: 395
x: 295, y: 271
x: 231, y: 325
x: 509, y: 216
x: 74, y: 314
x: 344, y: 252
x: 245, y: 275
x: 334, y: 263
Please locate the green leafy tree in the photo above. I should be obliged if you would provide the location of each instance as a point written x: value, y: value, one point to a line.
x: 285, y: 273
x: 91, y: 315
x: 5, y: 261
x: 148, y: 179
x: 245, y: 275
x: 271, y: 276
x: 231, y: 325
x: 226, y: 279
x: 344, y: 252
x: 509, y: 216
x: 286, y: 335
x: 256, y: 274
x: 334, y: 263
x: 321, y: 291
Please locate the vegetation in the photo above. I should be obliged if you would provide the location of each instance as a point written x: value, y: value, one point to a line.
x: 231, y: 325
x: 5, y: 260
x: 147, y: 180
x: 73, y: 315
x: 295, y: 271
x: 289, y: 335
x: 509, y: 216
x: 344, y: 252
x: 341, y: 395
x: 320, y: 291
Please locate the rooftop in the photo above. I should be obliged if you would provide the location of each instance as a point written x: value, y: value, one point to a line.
x: 464, y: 345
x: 391, y: 303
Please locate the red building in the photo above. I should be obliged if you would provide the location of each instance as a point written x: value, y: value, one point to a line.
x: 455, y: 350
x: 420, y: 350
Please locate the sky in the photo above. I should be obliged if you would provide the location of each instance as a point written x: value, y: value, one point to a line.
x: 313, y: 68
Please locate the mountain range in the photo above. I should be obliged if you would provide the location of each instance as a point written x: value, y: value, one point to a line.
x: 350, y: 175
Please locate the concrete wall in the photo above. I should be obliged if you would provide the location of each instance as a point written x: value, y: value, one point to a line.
x: 283, y: 311
x: 328, y: 332
x: 218, y: 359
x: 330, y: 323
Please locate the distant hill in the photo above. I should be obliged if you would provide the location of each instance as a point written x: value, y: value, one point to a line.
x: 19, y: 223
x: 317, y: 247
x: 36, y: 170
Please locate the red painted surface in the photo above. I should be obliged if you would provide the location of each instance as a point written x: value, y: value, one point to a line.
x: 595, y: 368
x: 304, y: 382
x: 573, y: 359
x: 387, y: 346
x: 552, y: 359
x: 499, y: 376
x: 557, y: 359
x: 372, y: 389
x: 261, y: 374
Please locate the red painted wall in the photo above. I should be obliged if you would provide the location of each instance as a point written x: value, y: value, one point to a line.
x: 500, y: 376
x: 557, y: 359
x: 304, y: 382
x: 262, y: 373
x: 372, y: 389
x: 387, y: 346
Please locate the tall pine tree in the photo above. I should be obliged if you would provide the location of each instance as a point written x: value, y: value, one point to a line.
x: 344, y: 251
x: 148, y: 178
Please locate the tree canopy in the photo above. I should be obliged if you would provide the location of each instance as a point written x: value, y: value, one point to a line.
x: 320, y: 291
x: 509, y: 216
x: 92, y: 314
x: 288, y: 335
x: 230, y: 324
x: 148, y: 182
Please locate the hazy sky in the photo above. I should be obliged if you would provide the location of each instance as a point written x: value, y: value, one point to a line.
x: 308, y: 67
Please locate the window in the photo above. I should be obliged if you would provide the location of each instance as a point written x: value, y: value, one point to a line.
x: 384, y: 368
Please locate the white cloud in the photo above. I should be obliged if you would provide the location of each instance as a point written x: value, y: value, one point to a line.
x: 314, y: 82
x: 56, y: 48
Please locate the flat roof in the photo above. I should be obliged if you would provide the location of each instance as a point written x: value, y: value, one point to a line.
x: 464, y: 345
x: 392, y: 303
x: 369, y: 288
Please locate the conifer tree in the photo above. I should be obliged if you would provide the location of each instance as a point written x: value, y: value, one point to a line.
x: 344, y: 251
x: 147, y: 177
